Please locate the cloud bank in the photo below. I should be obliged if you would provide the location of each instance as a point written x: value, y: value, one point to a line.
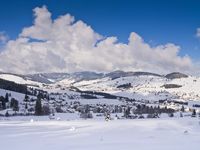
x: 66, y: 45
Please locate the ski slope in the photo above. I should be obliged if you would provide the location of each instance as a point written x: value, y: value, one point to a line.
x: 156, y: 134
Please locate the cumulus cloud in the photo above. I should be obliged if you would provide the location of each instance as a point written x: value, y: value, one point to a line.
x: 66, y: 45
x: 3, y: 37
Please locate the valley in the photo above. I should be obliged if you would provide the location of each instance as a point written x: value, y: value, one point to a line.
x: 125, y: 94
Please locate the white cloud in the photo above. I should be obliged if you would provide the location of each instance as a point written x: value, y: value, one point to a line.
x: 198, y: 32
x: 3, y: 37
x: 63, y: 45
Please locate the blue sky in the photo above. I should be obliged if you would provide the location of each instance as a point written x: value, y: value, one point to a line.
x: 157, y: 22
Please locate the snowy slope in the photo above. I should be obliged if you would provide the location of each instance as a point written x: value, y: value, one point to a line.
x: 16, y: 95
x: 156, y: 134
x: 146, y: 87
x: 143, y: 87
x: 19, y: 80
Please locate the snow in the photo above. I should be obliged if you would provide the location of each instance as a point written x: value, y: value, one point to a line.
x: 19, y: 80
x: 98, y: 101
x: 66, y: 82
x: 16, y: 95
x: 68, y: 131
x: 146, y: 87
x: 157, y: 134
x: 143, y: 87
x: 13, y: 78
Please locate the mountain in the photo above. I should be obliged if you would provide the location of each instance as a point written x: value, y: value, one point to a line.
x: 50, y: 78
x: 47, y: 77
x: 114, y: 88
x: 86, y: 75
x: 12, y: 86
x: 19, y: 79
x: 118, y: 74
x: 176, y: 75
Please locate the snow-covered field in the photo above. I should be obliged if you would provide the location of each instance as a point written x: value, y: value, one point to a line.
x: 69, y: 132
x: 19, y: 80
x: 147, y: 134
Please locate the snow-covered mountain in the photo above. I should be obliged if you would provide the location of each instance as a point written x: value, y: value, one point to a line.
x: 110, y: 88
x: 49, y: 78
x: 146, y: 87
x: 143, y: 85
x: 19, y: 79
x: 55, y: 77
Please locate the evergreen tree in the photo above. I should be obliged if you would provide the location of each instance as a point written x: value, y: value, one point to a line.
x: 194, y: 113
x: 40, y: 95
x: 14, y: 104
x: 12, y: 86
x: 26, y: 106
x: 182, y: 109
x: 7, y: 114
x: 38, y: 108
x: 85, y: 113
x: 46, y: 110
x: 6, y: 98
x: 171, y: 114
x: 3, y: 103
x: 127, y: 112
x: 26, y: 98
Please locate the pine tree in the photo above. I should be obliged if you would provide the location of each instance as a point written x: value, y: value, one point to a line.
x: 40, y: 95
x: 127, y: 112
x: 46, y: 110
x: 26, y: 106
x: 38, y: 108
x: 181, y: 115
x: 6, y: 98
x: 14, y: 104
x: 194, y: 113
x: 3, y: 103
x: 171, y: 114
x: 26, y: 98
x: 7, y: 114
x: 183, y: 108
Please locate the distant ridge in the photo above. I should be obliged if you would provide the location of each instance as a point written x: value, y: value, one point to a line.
x: 119, y: 73
x: 48, y: 78
x: 176, y: 75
